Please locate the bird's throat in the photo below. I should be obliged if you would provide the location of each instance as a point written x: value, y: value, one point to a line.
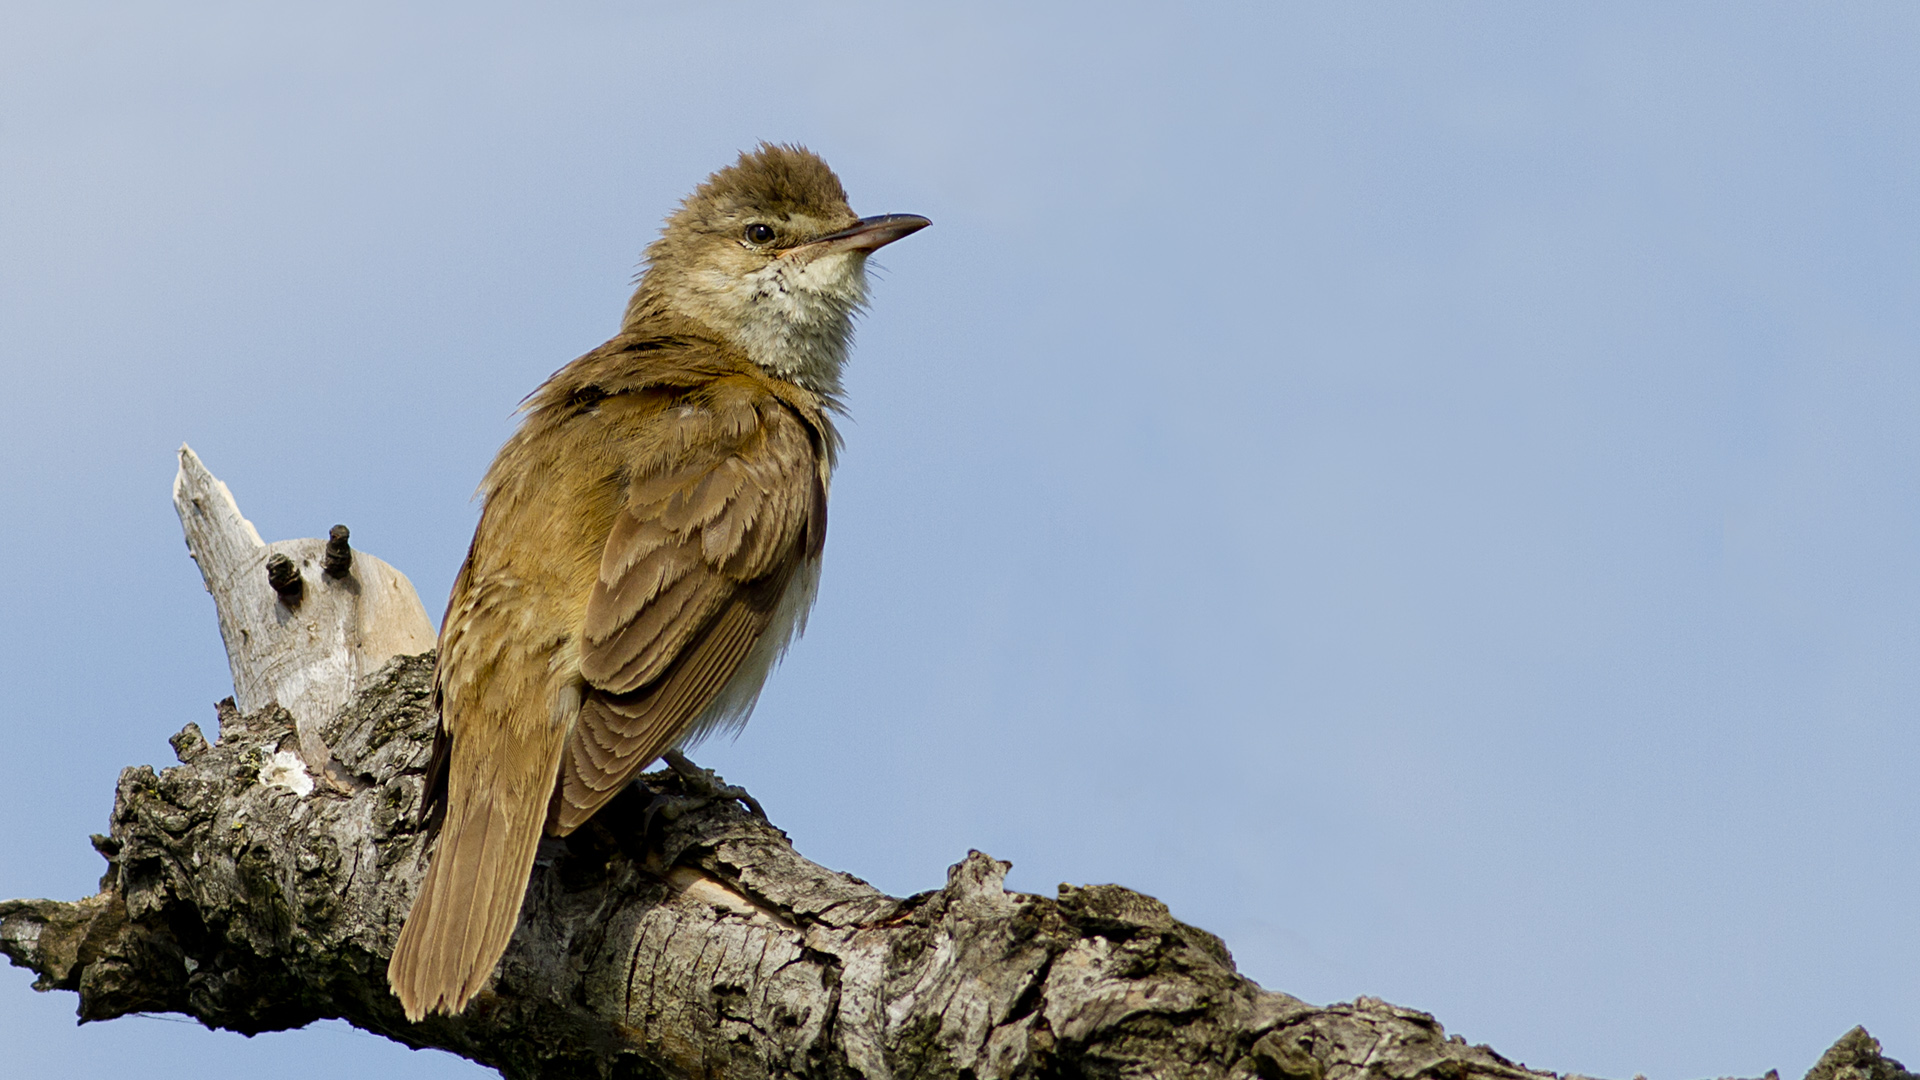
x: 793, y: 317
x: 797, y: 317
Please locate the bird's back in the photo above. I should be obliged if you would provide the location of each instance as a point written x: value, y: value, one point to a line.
x: 649, y: 543
x: 638, y: 548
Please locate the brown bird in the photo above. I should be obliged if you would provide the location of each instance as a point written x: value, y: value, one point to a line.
x: 648, y: 546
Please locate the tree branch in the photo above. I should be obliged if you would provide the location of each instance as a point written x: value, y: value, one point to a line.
x: 304, y: 621
x: 674, y: 936
x: 701, y: 945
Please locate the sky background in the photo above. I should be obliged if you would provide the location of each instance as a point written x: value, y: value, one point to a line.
x: 1428, y: 491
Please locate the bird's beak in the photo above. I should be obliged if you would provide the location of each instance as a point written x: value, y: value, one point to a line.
x: 867, y: 234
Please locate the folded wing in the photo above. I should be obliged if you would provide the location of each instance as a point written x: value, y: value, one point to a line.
x: 716, y: 524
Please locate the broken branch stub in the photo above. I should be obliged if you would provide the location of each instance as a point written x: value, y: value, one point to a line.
x: 701, y: 947
x: 676, y: 945
x: 305, y: 621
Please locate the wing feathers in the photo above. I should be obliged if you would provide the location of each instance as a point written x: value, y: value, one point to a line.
x: 639, y: 650
x: 693, y: 568
x: 618, y: 734
x: 687, y: 500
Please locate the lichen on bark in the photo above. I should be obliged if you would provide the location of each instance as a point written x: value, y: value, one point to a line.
x: 668, y: 944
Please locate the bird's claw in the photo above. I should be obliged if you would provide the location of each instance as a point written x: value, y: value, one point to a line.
x: 704, y: 787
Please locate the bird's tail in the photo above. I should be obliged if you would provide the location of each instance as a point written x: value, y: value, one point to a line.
x: 470, y: 899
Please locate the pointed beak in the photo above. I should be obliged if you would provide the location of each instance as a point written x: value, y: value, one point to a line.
x: 867, y: 234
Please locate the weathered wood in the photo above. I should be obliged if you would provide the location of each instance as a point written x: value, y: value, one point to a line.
x: 671, y: 937
x: 703, y: 946
x: 309, y: 642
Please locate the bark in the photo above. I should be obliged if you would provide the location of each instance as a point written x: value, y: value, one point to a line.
x: 670, y: 939
x: 675, y: 936
x: 690, y: 944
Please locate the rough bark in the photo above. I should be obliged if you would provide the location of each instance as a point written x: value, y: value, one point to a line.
x: 675, y: 936
x: 676, y: 944
x: 698, y: 944
x: 1857, y: 1057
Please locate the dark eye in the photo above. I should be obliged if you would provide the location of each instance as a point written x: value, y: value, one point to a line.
x: 758, y: 233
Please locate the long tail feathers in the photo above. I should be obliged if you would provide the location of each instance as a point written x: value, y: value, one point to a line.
x: 469, y: 903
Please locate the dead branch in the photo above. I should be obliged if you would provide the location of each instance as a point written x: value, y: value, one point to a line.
x: 672, y: 937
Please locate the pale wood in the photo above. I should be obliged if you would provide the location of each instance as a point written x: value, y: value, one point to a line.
x: 681, y: 945
x: 663, y: 939
x: 666, y: 945
x: 313, y: 657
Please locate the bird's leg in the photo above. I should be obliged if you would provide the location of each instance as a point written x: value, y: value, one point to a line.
x: 706, y: 786
x: 702, y: 787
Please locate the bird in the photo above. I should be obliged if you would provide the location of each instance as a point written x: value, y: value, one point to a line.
x: 649, y: 544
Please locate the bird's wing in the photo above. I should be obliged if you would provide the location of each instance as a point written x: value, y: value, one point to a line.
x: 715, y: 524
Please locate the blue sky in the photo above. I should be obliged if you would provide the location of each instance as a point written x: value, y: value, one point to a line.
x: 1427, y: 491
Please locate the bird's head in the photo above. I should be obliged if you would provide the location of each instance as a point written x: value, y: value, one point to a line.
x: 768, y: 254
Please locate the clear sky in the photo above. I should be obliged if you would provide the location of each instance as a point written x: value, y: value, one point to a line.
x: 1428, y: 491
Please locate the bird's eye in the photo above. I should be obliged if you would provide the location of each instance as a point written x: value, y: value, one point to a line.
x: 759, y: 233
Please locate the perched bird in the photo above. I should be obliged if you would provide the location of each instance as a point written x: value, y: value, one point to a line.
x: 648, y: 546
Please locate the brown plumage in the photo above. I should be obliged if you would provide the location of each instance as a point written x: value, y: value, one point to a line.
x: 648, y: 546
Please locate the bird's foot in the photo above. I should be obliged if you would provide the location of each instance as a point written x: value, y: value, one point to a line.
x: 704, y: 787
